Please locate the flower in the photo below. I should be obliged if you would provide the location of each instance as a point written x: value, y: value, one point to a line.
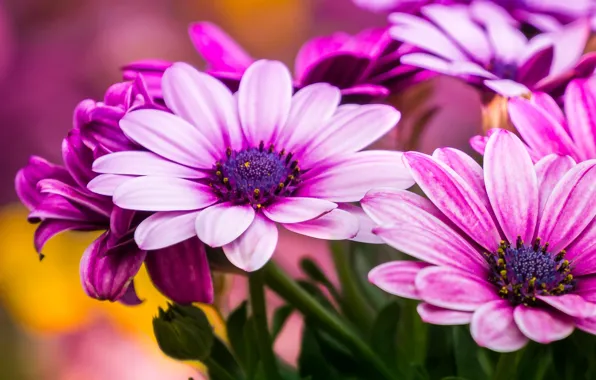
x: 227, y: 167
x: 59, y: 201
x: 508, y: 249
x: 546, y: 129
x: 485, y: 49
x: 546, y: 15
x: 364, y: 66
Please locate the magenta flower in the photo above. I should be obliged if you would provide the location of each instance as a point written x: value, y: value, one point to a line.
x: 483, y: 48
x: 546, y: 15
x: 60, y: 201
x: 364, y: 66
x: 508, y: 249
x: 229, y: 167
x: 546, y: 129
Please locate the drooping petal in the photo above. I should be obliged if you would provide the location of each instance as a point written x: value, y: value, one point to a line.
x: 255, y: 246
x: 163, y: 194
x: 571, y: 304
x: 78, y: 197
x: 580, y: 108
x: 264, y: 101
x: 106, y: 184
x: 440, y: 316
x: 397, y: 277
x: 494, y: 327
x: 542, y: 325
x: 181, y: 272
x: 221, y: 224
x: 454, y: 289
x: 166, y: 228
x: 143, y: 163
x: 47, y: 229
x: 335, y: 225
x: 297, y: 209
x: 549, y: 171
x: 78, y: 158
x: 130, y: 296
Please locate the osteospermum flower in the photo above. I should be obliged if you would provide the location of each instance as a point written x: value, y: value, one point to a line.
x: 547, y: 15
x: 508, y: 249
x: 229, y: 168
x: 364, y: 66
x: 59, y: 201
x: 485, y: 49
x: 545, y: 128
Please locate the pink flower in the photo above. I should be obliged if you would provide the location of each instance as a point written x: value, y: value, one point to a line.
x: 546, y: 128
x: 508, y: 249
x: 229, y: 167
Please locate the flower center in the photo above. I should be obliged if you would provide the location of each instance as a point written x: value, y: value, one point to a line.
x: 523, y: 272
x: 511, y: 4
x: 255, y: 175
x: 504, y: 70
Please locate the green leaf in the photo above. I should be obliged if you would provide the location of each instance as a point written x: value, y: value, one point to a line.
x: 418, y: 372
x: 440, y: 356
x: 280, y: 317
x: 222, y: 356
x: 235, y: 326
x: 316, y: 292
x: 252, y: 353
x: 311, y: 362
x: 364, y: 259
x: 412, y: 335
x: 383, y: 339
x: 453, y: 378
x: 338, y: 356
x: 312, y: 271
x: 466, y: 354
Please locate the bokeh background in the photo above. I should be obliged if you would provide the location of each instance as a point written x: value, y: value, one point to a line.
x: 53, y: 54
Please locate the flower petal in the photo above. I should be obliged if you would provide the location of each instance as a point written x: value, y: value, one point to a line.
x: 47, y: 229
x: 397, y: 277
x: 106, y: 184
x: 440, y: 316
x: 542, y: 325
x: 580, y: 108
x: 166, y: 228
x: 335, y: 225
x: 297, y: 209
x: 387, y: 206
x: 143, y: 163
x: 493, y: 327
x: 222, y: 223
x: 255, y: 246
x: 506, y: 87
x: 549, y: 171
x: 571, y: 304
x: 217, y: 48
x: 367, y: 225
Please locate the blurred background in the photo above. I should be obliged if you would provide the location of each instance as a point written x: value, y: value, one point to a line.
x: 55, y: 53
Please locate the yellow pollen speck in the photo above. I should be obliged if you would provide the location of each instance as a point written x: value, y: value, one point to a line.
x: 247, y: 164
x: 561, y: 287
x: 532, y: 281
x: 257, y: 192
x: 226, y: 180
x: 503, y: 273
x: 218, y: 173
x: 259, y: 205
x: 281, y: 185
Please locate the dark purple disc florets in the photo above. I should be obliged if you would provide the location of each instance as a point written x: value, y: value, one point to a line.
x: 503, y: 70
x: 522, y: 272
x: 255, y: 175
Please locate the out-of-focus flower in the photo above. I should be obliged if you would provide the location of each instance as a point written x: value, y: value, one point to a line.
x: 364, y: 66
x: 546, y: 15
x: 59, y: 200
x: 228, y: 169
x: 544, y: 127
x: 482, y: 47
x: 508, y: 249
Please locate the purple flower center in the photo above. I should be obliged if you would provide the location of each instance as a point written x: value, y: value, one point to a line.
x: 523, y: 272
x: 511, y: 4
x: 503, y: 70
x: 255, y: 175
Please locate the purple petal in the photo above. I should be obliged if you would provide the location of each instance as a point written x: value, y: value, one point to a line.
x: 350, y: 179
x: 541, y: 325
x: 106, y: 184
x: 478, y: 143
x: 121, y: 221
x: 181, y: 272
x: 339, y: 68
x: 264, y: 101
x: 569, y: 45
x: 571, y: 304
x: 570, y: 208
x: 588, y: 325
x: 163, y: 194
x: 508, y: 42
x: 164, y: 229
x: 222, y: 223
x: 387, y: 206
x: 335, y: 225
x: 170, y: 137
x: 580, y: 108
x: 78, y: 158
x: 217, y: 48
x: 428, y: 62
x: 549, y: 105
x: 536, y: 67
x: 130, y: 297
x: 82, y: 198
x: 506, y: 87
x: 397, y: 277
x: 454, y: 289
x: 47, y: 229
x: 27, y: 178
x: 143, y: 163
x: 455, y: 198
x: 57, y: 207
x: 297, y: 209
x: 439, y: 316
x: 549, y: 171
x: 493, y: 327
x: 312, y: 51
x: 513, y: 194
x: 255, y: 246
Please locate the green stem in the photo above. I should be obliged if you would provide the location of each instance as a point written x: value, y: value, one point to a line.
x: 288, y: 289
x: 354, y: 304
x: 506, y: 366
x: 256, y: 286
x: 216, y: 370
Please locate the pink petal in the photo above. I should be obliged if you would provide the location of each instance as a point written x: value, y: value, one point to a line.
x: 106, y: 184
x: 506, y: 87
x: 493, y: 326
x: 580, y: 108
x: 454, y: 289
x: 164, y: 229
x: 163, y: 194
x: 170, y: 137
x: 201, y: 100
x: 549, y: 105
x: 439, y: 316
x: 508, y: 42
x: 478, y: 143
x: 312, y: 107
x: 397, y: 277
x: 569, y: 44
x: 255, y: 246
x: 541, y: 325
x: 570, y: 208
x: 427, y: 61
x: 335, y: 225
x: 588, y: 325
x: 365, y: 232
x: 297, y: 209
x: 350, y: 179
x: 571, y: 304
x: 549, y: 171
x: 581, y: 251
x: 143, y: 163
x: 387, y: 206
x: 222, y: 223
x: 264, y: 101
x: 455, y: 198
x: 217, y: 48
x: 513, y: 194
